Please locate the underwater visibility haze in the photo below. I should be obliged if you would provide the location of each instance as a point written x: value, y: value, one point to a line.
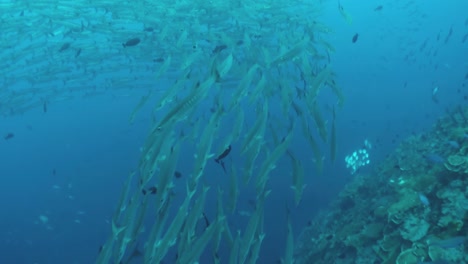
x: 237, y: 131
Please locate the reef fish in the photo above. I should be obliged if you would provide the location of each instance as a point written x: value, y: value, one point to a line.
x: 424, y: 199
x: 449, y: 243
x: 434, y: 158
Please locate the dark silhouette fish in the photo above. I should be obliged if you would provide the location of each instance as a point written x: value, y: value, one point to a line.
x: 131, y: 42
x: 223, y: 155
x: 78, y: 52
x: 151, y: 190
x: 9, y: 136
x: 355, y: 38
x: 219, y: 48
x: 64, y: 47
x: 378, y: 8
x: 177, y: 174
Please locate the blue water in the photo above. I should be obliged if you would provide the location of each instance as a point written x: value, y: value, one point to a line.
x: 69, y: 164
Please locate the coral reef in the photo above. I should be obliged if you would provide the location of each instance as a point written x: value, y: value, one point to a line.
x: 418, y: 195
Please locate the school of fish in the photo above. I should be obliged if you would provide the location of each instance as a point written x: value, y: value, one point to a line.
x: 261, y: 80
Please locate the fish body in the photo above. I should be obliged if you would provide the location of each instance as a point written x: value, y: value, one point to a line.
x: 355, y: 38
x: 434, y: 158
x: 131, y: 42
x: 454, y: 144
x: 177, y: 174
x: 424, y: 200
x: 435, y: 91
x: 224, y: 154
x: 9, y: 136
x: 449, y: 243
x: 64, y: 47
x: 219, y: 48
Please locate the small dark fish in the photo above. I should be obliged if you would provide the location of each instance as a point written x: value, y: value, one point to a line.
x: 207, y: 222
x: 355, y: 38
x: 78, y: 52
x: 159, y: 60
x: 148, y: 29
x: 177, y: 174
x: 378, y: 8
x: 44, y: 107
x: 9, y: 136
x: 143, y: 191
x: 465, y: 38
x: 131, y: 42
x: 219, y: 48
x: 224, y: 154
x: 448, y: 35
x: 54, y: 172
x: 64, y: 47
x: 153, y: 190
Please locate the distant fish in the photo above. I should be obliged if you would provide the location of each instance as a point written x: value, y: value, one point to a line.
x: 219, y: 48
x: 424, y: 199
x: 435, y: 92
x: 440, y: 261
x: 465, y: 37
x: 207, y: 222
x: 355, y: 38
x: 78, y: 52
x: 378, y: 8
x: 9, y: 136
x: 449, y: 243
x: 64, y: 47
x: 448, y: 35
x: 151, y: 190
x: 434, y: 158
x: 177, y: 174
x: 131, y: 42
x: 223, y: 155
x: 454, y: 144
